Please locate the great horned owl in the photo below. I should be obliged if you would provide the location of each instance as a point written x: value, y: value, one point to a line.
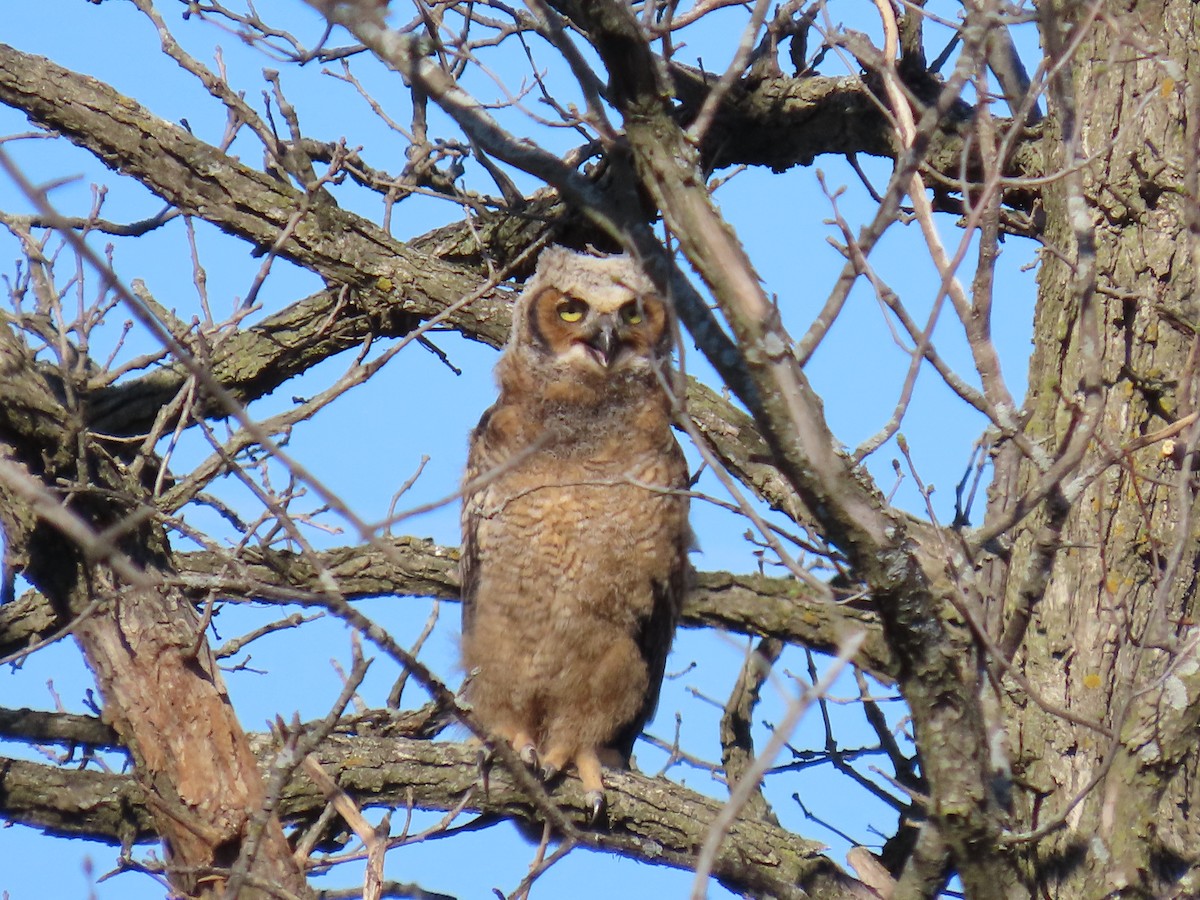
x: 575, y: 531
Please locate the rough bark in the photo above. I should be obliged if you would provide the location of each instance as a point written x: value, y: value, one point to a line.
x: 648, y: 819
x: 1110, y: 632
x: 744, y: 604
x: 142, y: 638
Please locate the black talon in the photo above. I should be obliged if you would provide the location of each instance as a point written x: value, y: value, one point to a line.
x: 483, y: 761
x: 595, y: 799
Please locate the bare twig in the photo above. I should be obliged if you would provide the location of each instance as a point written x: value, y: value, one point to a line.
x: 748, y: 783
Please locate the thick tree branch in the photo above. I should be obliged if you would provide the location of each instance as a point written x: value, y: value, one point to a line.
x: 782, y: 122
x: 648, y: 819
x: 35, y: 726
x: 341, y: 247
x: 747, y: 604
x: 253, y: 362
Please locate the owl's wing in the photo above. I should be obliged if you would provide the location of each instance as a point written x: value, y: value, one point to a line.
x: 478, y: 462
x: 655, y: 643
x: 658, y: 631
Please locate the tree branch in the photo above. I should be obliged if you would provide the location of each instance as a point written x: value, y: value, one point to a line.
x: 649, y: 819
x: 747, y: 604
x: 389, y: 277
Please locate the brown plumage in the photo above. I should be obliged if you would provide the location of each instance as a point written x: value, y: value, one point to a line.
x: 575, y: 532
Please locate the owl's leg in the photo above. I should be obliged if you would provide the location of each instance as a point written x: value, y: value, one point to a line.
x: 587, y: 763
x: 526, y: 749
x: 521, y: 742
x: 554, y: 760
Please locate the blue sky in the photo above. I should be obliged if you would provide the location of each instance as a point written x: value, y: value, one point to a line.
x: 366, y: 446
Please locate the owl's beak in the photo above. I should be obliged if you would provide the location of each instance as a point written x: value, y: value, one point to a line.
x: 605, y: 341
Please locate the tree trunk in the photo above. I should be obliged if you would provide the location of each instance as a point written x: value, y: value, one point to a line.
x: 142, y: 638
x: 1105, y: 606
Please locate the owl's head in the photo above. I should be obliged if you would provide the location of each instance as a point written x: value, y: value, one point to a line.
x: 591, y: 318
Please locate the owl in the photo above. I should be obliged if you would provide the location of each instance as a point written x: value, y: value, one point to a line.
x: 575, y: 522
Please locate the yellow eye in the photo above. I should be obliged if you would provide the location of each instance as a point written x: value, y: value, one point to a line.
x: 631, y: 314
x: 571, y: 310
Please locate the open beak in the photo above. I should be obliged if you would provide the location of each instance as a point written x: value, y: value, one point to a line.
x: 604, y: 342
